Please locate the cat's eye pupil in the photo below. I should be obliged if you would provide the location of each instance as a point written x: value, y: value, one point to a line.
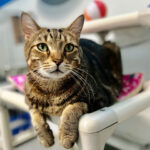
x: 69, y: 47
x: 42, y: 47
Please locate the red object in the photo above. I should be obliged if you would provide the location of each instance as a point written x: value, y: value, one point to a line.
x: 96, y: 9
x: 102, y: 7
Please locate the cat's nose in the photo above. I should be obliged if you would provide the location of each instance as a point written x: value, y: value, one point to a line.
x: 58, y: 61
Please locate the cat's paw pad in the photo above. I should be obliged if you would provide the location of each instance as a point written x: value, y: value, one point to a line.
x: 46, y: 142
x: 46, y: 138
x: 66, y: 143
x: 67, y: 138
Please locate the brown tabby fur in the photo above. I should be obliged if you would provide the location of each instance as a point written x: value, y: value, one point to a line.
x: 48, y: 96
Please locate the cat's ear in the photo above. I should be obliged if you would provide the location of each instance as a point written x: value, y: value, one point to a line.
x: 77, y: 25
x: 29, y: 26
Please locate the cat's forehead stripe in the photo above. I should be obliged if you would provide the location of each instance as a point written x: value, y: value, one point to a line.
x: 65, y: 38
x: 55, y: 34
x: 60, y: 36
x: 45, y: 37
x: 51, y: 35
x: 39, y: 39
x: 60, y: 44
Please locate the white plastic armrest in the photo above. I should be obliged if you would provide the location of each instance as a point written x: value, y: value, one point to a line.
x: 95, y: 128
x: 125, y: 20
x: 117, y: 113
x: 8, y: 96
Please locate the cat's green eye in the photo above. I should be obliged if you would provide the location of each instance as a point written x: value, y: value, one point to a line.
x: 42, y: 47
x: 69, y: 47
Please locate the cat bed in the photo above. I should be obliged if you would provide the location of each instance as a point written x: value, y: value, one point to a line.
x: 17, y: 82
x: 132, y: 84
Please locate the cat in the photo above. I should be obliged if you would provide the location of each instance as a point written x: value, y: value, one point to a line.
x: 67, y: 77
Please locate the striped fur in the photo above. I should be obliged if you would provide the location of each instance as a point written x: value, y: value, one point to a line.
x: 89, y: 78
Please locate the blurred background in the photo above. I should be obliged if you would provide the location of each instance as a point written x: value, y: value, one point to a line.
x: 134, y: 42
x: 57, y: 13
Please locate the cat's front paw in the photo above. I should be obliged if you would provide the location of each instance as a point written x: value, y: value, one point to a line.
x: 67, y: 138
x: 46, y: 137
x: 66, y: 143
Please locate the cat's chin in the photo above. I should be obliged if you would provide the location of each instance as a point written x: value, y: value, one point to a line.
x: 57, y: 75
x: 53, y: 75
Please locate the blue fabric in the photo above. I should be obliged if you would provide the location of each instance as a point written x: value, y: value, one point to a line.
x: 21, y: 116
x: 3, y: 2
x: 25, y: 126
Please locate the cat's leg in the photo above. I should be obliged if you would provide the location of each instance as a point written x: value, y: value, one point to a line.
x: 68, y: 129
x: 42, y: 129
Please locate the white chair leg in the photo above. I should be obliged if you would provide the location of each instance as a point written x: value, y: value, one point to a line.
x: 5, y: 129
x: 95, y: 141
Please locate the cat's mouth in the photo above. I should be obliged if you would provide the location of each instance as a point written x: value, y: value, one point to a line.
x: 55, y: 74
x: 57, y: 71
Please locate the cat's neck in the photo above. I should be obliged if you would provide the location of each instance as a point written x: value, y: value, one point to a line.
x: 46, y: 84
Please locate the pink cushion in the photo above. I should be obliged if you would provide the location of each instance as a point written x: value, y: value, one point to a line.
x: 132, y: 84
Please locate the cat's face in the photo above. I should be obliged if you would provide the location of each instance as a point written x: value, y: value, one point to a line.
x: 52, y: 53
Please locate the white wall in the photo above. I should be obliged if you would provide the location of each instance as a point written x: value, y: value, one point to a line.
x: 116, y: 7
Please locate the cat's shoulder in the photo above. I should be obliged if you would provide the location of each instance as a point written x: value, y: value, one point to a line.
x: 87, y: 42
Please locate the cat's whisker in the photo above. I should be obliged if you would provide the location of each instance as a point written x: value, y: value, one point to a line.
x: 46, y: 66
x: 78, y: 77
x: 69, y: 68
x: 87, y: 74
x: 86, y: 83
x: 32, y: 71
x: 32, y: 86
x: 36, y: 81
x: 82, y: 88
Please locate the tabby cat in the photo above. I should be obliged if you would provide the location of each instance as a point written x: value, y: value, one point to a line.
x: 68, y: 77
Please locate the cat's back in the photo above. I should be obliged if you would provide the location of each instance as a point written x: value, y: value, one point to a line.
x: 89, y: 46
x: 104, y: 65
x: 96, y: 59
x: 104, y: 61
x: 93, y: 53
